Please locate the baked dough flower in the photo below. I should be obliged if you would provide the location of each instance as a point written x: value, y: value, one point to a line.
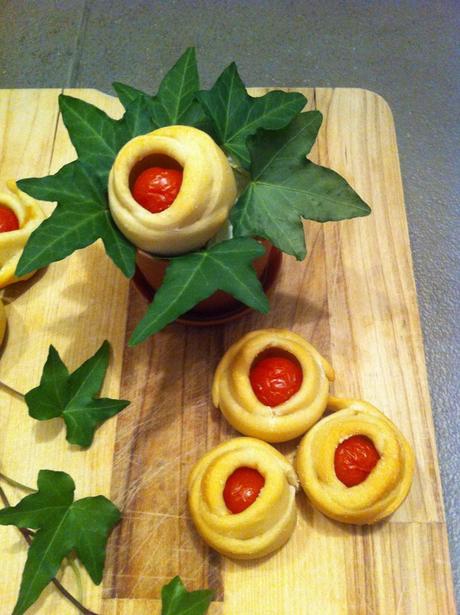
x: 29, y: 215
x: 202, y: 205
x: 264, y: 525
x: 306, y: 384
x: 381, y: 488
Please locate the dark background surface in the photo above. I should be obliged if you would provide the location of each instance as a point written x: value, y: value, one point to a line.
x: 405, y: 51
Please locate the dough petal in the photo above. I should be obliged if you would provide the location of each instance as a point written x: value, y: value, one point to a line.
x: 207, y: 193
x: 29, y: 215
x: 232, y: 391
x: 382, y: 492
x: 265, y: 525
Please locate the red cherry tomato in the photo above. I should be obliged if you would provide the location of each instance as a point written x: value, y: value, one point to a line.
x: 156, y: 188
x: 354, y: 460
x: 275, y: 379
x: 242, y: 488
x: 8, y: 220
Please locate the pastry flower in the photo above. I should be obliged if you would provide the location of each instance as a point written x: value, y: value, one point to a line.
x: 272, y: 384
x: 161, y: 179
x: 21, y: 215
x: 242, y: 498
x: 355, y: 466
x: 201, y: 207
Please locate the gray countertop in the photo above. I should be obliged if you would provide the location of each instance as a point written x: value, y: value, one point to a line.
x: 405, y: 51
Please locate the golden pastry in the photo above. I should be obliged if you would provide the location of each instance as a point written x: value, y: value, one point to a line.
x: 247, y: 475
x: 27, y: 215
x: 272, y: 384
x: 360, y: 447
x: 207, y: 191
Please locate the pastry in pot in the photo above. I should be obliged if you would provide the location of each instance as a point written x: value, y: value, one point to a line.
x: 272, y: 384
x: 22, y: 215
x: 201, y: 207
x: 242, y: 498
x: 355, y: 466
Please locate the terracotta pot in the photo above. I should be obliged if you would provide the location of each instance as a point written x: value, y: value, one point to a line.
x: 219, y: 307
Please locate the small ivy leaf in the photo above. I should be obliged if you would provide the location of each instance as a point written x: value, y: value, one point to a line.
x: 176, y: 600
x: 62, y: 526
x: 235, y: 115
x: 80, y: 218
x: 193, y: 277
x: 72, y: 396
x: 175, y: 102
x: 286, y: 187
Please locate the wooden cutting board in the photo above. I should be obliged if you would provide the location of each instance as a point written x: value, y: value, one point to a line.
x: 354, y: 298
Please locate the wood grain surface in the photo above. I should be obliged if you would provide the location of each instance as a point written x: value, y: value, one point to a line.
x: 353, y: 297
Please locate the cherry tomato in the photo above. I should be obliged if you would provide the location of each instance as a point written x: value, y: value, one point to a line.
x: 275, y: 379
x: 242, y: 488
x: 156, y: 188
x: 354, y: 460
x: 8, y: 220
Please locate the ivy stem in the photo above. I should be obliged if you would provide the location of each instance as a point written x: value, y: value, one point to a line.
x: 15, y: 483
x: 57, y: 584
x: 77, y: 574
x: 11, y: 390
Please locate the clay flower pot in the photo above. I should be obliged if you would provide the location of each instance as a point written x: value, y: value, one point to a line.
x: 220, y: 307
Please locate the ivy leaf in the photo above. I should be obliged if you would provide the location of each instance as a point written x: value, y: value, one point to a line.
x: 176, y: 600
x: 175, y: 102
x: 193, y: 277
x: 62, y: 525
x: 72, y: 396
x: 81, y: 217
x: 236, y: 115
x: 286, y: 187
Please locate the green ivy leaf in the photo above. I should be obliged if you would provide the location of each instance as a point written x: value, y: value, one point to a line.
x: 175, y: 102
x: 62, y: 525
x: 81, y: 217
x: 80, y: 188
x: 72, y: 396
x: 193, y: 277
x: 236, y: 115
x: 286, y: 187
x: 176, y: 600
